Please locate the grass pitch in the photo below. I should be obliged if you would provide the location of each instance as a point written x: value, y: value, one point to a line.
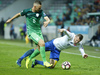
x: 11, y: 50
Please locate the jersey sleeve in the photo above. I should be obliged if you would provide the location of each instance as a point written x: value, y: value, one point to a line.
x: 69, y: 34
x: 81, y: 49
x: 23, y: 12
x: 43, y: 14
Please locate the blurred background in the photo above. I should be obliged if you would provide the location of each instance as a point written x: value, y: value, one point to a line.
x: 77, y: 16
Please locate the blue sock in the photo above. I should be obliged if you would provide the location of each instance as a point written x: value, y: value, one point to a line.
x: 29, y: 52
x: 39, y: 62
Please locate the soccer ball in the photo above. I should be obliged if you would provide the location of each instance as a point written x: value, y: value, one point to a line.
x: 66, y: 65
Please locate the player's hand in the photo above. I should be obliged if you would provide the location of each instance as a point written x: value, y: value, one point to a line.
x: 9, y: 20
x: 45, y: 23
x: 85, y: 56
x: 60, y: 30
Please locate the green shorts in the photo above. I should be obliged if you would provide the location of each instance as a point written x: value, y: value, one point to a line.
x: 36, y: 37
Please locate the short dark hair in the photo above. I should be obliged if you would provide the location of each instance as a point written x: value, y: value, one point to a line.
x: 38, y: 2
x: 80, y: 36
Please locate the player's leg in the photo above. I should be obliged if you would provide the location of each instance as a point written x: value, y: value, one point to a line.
x: 34, y: 54
x: 42, y: 48
x: 54, y: 62
x: 38, y: 39
x: 54, y: 55
x: 29, y: 52
x: 49, y: 47
x: 35, y: 62
x: 35, y: 38
x: 42, y: 52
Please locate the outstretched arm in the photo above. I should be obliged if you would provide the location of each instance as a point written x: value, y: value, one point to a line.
x: 69, y: 34
x: 61, y: 30
x: 82, y: 52
x: 15, y: 16
x: 47, y: 21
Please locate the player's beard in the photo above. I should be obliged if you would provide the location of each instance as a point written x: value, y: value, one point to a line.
x: 36, y: 10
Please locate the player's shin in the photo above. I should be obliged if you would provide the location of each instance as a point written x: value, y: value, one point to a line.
x: 35, y: 53
x: 42, y: 52
x: 29, y: 52
x: 37, y: 62
x: 43, y: 55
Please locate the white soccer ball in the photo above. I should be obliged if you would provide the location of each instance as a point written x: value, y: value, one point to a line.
x: 66, y: 65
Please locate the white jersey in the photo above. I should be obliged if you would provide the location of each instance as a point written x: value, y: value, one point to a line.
x: 67, y: 41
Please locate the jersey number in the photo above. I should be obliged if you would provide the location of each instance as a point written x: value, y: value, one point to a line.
x: 34, y: 20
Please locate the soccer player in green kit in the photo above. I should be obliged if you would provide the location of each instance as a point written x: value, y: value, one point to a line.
x: 33, y: 16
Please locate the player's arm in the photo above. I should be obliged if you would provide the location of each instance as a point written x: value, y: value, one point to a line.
x: 47, y: 21
x: 66, y: 32
x: 81, y: 49
x: 15, y: 16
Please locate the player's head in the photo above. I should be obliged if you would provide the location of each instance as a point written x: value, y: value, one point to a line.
x: 37, y: 6
x: 78, y: 38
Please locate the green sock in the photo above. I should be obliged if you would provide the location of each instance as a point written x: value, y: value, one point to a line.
x: 35, y: 53
x: 42, y: 52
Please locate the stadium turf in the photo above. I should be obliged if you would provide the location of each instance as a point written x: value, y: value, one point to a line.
x: 11, y: 50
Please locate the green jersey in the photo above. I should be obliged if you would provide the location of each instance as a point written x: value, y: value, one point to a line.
x: 32, y: 20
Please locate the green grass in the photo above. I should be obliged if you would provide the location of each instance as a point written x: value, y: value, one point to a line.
x: 11, y: 50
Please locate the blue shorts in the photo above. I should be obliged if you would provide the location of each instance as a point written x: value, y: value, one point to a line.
x: 55, y: 53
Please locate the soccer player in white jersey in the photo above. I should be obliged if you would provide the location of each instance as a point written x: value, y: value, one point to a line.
x: 57, y: 45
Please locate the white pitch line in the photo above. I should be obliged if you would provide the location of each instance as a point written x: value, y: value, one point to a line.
x: 80, y: 54
x: 62, y: 51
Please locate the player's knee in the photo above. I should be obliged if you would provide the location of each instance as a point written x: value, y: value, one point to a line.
x: 41, y: 43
